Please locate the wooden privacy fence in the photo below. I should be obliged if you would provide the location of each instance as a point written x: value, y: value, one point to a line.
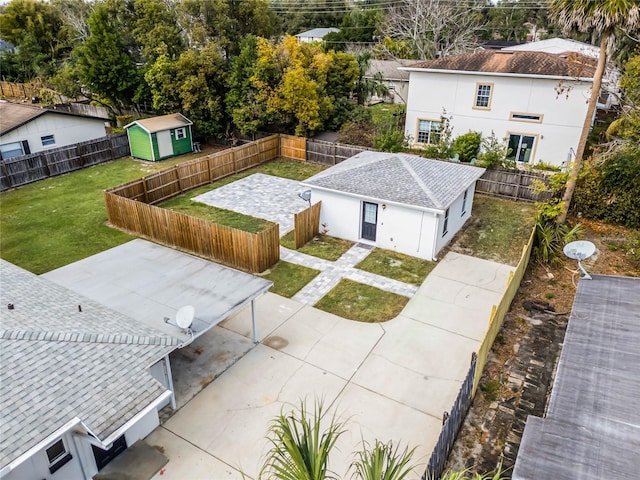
x: 56, y: 161
x: 498, y: 312
x: 306, y: 224
x: 514, y: 183
x: 10, y: 89
x: 186, y: 176
x: 329, y: 153
x: 130, y: 208
x: 451, y: 423
x: 293, y: 147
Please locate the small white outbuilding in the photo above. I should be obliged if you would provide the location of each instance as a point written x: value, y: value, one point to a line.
x: 405, y: 203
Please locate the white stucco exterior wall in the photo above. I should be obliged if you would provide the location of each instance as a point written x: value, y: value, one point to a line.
x: 66, y: 129
x: 562, y: 116
x: 457, y: 218
x: 399, y: 228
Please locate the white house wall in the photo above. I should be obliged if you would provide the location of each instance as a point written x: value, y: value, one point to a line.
x: 432, y: 93
x: 66, y: 129
x: 82, y: 466
x: 399, y: 228
x: 456, y: 219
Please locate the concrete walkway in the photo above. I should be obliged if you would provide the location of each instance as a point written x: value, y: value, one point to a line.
x: 333, y: 272
x: 391, y: 381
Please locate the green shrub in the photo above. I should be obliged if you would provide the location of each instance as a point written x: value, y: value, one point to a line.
x: 467, y: 146
x: 390, y: 140
x: 124, y: 120
x: 493, y: 153
x: 609, y: 189
x: 550, y: 236
x: 490, y: 389
x: 546, y: 166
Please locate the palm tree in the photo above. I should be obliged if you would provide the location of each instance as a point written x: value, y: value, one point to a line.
x: 603, y: 17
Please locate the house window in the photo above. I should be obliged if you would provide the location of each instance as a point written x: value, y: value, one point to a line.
x: 391, y: 86
x: 445, y: 226
x: 58, y: 455
x: 520, y: 147
x: 483, y: 95
x: 180, y: 133
x: 464, y: 203
x: 526, y: 117
x: 11, y: 150
x: 47, y: 140
x: 429, y: 131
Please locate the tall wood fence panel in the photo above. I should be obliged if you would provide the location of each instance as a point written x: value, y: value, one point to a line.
x: 329, y: 153
x: 514, y: 183
x: 10, y: 89
x: 451, y: 424
x: 236, y: 248
x: 293, y: 147
x: 186, y: 176
x: 306, y: 224
x: 25, y: 169
x: 499, y: 311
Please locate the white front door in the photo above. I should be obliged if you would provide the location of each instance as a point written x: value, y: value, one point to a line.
x: 165, y: 147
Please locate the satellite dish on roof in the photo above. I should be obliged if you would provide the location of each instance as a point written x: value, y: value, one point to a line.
x: 184, y: 317
x: 306, y: 196
x: 579, y: 250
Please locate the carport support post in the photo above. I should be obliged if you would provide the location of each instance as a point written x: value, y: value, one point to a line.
x: 167, y: 369
x: 253, y: 320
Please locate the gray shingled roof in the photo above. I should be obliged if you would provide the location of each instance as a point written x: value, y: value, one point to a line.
x: 404, y: 179
x: 163, y: 122
x: 58, y: 363
x: 592, y: 427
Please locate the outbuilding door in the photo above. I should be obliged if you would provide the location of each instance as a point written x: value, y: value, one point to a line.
x: 165, y: 147
x: 369, y: 220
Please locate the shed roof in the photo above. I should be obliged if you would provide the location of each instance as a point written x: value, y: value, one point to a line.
x: 592, y: 427
x: 14, y: 115
x: 389, y: 69
x: 405, y: 179
x: 63, y: 357
x: 516, y: 63
x: 163, y: 122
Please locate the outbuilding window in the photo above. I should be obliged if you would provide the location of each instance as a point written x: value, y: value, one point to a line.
x: 58, y: 455
x: 48, y: 140
x: 180, y: 133
x: 445, y: 226
x: 464, y: 203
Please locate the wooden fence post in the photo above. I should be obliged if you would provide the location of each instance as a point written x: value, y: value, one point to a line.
x: 518, y: 185
x: 178, y: 178
x: 5, y: 170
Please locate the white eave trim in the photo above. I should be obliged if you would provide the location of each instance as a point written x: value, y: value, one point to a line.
x: 436, y: 211
x: 497, y: 74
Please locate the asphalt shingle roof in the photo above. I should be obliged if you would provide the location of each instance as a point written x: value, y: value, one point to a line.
x: 14, y: 115
x: 404, y: 179
x: 526, y: 63
x: 163, y: 122
x: 58, y: 363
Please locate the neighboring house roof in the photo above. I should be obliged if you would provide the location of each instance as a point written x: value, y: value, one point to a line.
x: 163, y: 122
x: 389, y: 69
x: 405, y: 179
x: 592, y: 425
x: 556, y: 46
x: 499, y: 44
x: 14, y: 115
x: 517, y: 63
x: 317, y: 32
x: 65, y: 357
x: 4, y: 45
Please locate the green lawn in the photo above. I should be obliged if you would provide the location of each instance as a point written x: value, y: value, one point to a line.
x: 289, y: 278
x: 497, y: 231
x: 382, y: 114
x: 57, y: 221
x: 397, y: 266
x: 362, y: 303
x: 321, y: 246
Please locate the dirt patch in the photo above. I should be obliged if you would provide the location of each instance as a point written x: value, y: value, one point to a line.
x: 276, y: 342
x: 520, y: 369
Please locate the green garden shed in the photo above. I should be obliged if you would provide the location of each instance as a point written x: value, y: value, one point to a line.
x: 161, y: 137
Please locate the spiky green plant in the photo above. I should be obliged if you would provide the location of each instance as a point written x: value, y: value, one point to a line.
x: 301, y: 445
x: 383, y: 461
x: 468, y: 475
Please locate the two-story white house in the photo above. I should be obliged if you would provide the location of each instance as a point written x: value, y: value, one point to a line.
x: 535, y: 101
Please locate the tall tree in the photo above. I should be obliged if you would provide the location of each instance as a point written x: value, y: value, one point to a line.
x: 602, y: 17
x: 106, y: 67
x: 433, y: 28
x: 155, y: 29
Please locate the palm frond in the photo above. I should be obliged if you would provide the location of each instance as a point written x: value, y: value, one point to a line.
x: 383, y: 461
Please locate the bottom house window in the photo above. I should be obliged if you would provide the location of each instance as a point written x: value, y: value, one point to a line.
x: 429, y: 131
x: 57, y: 455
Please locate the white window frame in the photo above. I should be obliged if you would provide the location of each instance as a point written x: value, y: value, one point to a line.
x: 47, y: 140
x: 445, y: 225
x: 481, y: 96
x: 181, y: 133
x: 430, y: 132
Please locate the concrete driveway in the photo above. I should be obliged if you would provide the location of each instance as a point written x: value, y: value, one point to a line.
x: 391, y: 381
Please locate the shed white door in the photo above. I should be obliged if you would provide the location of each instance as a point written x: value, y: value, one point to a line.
x: 165, y: 148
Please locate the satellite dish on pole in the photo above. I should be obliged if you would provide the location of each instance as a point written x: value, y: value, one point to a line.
x: 579, y: 250
x: 184, y: 317
x: 306, y: 196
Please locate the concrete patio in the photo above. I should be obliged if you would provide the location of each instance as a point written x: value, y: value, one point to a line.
x: 391, y: 381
